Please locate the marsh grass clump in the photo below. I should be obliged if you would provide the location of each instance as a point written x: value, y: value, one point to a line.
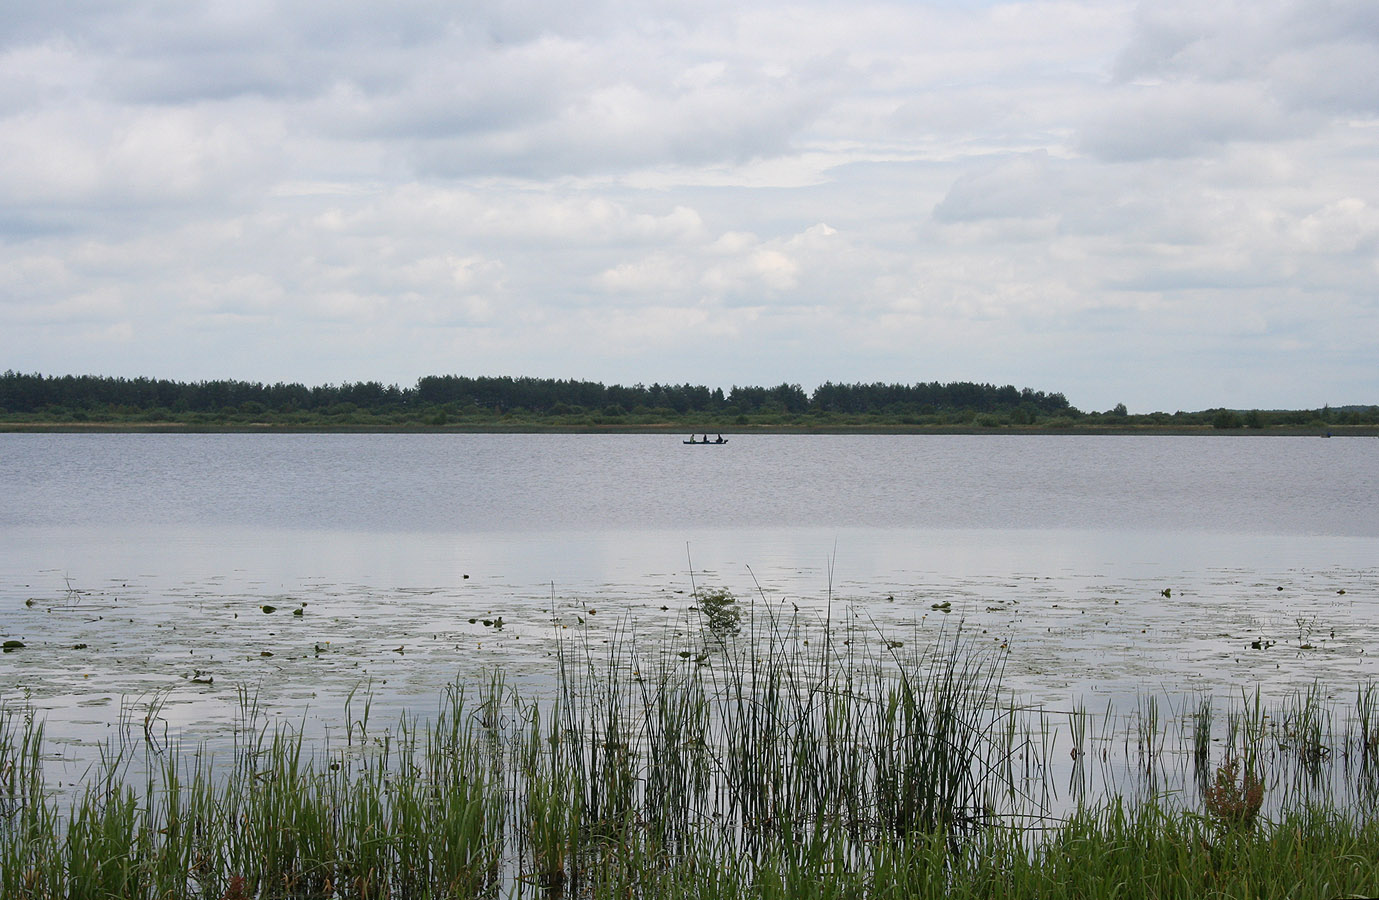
x: 1362, y: 735
x: 1201, y: 735
x: 1234, y: 799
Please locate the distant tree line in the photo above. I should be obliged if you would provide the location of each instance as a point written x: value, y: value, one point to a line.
x: 457, y: 400
x: 878, y: 397
x: 32, y: 393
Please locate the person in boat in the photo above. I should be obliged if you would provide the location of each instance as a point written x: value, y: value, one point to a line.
x: 691, y: 440
x: 720, y: 439
x: 706, y: 438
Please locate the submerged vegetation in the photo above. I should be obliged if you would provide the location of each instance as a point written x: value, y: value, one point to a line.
x: 750, y: 758
x: 500, y: 403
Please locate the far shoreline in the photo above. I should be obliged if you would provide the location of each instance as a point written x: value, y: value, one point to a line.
x: 675, y: 428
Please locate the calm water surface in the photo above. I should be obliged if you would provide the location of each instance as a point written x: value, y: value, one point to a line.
x: 478, y: 484
x: 155, y: 554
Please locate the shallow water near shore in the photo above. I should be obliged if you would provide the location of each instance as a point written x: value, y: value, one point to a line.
x: 178, y: 569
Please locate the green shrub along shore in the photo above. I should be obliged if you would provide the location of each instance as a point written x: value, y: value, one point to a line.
x: 35, y: 402
x: 744, y: 758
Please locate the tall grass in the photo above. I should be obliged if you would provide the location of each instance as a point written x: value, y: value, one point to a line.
x: 789, y: 759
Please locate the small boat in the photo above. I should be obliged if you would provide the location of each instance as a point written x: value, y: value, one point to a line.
x: 721, y: 440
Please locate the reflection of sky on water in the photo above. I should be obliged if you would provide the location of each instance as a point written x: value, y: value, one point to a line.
x: 609, y: 556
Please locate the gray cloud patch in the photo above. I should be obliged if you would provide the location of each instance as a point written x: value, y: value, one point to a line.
x: 1179, y: 120
x: 1026, y: 187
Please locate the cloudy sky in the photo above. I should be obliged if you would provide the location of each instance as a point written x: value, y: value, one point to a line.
x: 1174, y: 205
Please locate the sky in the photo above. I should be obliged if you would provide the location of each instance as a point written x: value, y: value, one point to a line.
x: 1172, y: 205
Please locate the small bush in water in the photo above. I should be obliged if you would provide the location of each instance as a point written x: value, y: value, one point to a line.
x: 721, y: 615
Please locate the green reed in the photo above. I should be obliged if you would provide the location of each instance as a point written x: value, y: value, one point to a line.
x: 790, y: 758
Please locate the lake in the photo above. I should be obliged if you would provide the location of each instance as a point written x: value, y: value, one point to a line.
x: 138, y: 568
